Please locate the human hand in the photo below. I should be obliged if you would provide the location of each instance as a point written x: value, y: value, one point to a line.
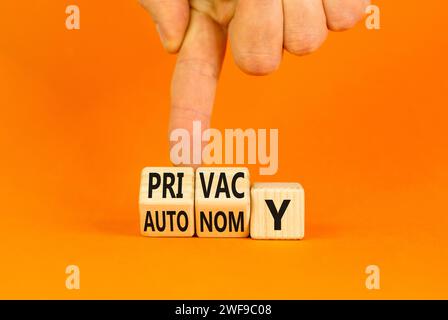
x: 259, y: 30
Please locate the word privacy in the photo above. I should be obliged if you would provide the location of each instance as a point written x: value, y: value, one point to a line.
x: 209, y: 148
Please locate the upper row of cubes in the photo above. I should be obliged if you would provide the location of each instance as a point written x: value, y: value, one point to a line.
x: 220, y: 203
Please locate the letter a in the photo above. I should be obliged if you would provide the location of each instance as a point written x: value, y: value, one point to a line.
x: 72, y: 21
x: 373, y: 279
x: 373, y: 18
x: 72, y: 281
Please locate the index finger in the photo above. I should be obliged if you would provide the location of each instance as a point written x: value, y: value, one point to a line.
x: 196, y: 74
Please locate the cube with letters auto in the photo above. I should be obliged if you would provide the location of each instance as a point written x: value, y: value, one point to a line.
x: 278, y: 211
x: 166, y: 202
x: 222, y: 202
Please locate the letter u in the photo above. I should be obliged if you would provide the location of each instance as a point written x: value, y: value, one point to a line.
x: 162, y: 227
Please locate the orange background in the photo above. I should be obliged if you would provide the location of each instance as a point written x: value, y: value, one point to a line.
x: 363, y: 126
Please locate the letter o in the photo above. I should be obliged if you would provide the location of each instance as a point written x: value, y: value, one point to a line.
x: 179, y: 215
x: 224, y: 219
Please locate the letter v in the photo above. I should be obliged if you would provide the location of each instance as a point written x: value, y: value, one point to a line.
x: 207, y: 189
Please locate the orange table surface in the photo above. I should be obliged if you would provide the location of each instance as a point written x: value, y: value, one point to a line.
x: 362, y: 126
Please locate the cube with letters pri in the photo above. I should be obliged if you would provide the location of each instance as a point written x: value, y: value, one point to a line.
x: 222, y: 202
x: 278, y: 211
x: 166, y: 202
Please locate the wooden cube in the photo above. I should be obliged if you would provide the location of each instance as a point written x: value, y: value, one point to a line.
x: 278, y: 211
x: 166, y: 202
x: 222, y: 202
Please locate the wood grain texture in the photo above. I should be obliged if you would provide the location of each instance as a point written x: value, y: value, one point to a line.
x: 166, y: 202
x: 267, y: 200
x: 222, y: 202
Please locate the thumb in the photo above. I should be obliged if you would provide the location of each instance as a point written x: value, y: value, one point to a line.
x: 196, y: 76
x: 171, y: 19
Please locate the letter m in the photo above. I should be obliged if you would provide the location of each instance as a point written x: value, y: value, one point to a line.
x: 236, y: 223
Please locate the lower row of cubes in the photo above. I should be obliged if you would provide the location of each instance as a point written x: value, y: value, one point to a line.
x: 218, y: 202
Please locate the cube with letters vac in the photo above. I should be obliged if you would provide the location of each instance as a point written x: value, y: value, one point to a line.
x: 278, y: 211
x: 222, y: 202
x: 166, y: 202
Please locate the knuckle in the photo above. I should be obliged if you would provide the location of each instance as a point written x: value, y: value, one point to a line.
x: 199, y: 67
x: 187, y: 114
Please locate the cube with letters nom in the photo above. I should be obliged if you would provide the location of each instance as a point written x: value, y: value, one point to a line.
x: 222, y: 202
x: 278, y: 211
x: 166, y: 202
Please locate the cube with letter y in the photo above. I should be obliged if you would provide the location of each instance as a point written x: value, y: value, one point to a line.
x: 278, y: 211
x: 222, y: 202
x: 166, y: 202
